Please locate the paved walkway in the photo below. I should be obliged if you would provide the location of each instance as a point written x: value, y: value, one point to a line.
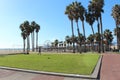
x: 16, y: 75
x: 110, y: 69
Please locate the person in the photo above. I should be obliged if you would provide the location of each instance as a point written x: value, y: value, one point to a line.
x: 39, y: 50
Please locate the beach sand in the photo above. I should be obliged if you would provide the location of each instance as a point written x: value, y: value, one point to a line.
x: 10, y: 51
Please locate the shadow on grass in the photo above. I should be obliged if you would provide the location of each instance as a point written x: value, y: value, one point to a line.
x: 4, y: 55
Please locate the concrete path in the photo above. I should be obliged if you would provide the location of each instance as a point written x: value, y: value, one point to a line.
x: 17, y: 75
x: 110, y: 69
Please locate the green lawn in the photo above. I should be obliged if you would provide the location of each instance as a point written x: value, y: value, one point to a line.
x: 62, y: 63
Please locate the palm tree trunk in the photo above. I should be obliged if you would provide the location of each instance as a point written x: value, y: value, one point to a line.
x: 68, y: 45
x: 108, y: 46
x: 118, y: 46
x: 33, y: 41
x: 94, y: 38
x: 92, y: 29
x: 27, y: 44
x: 36, y: 41
x: 73, y: 36
x: 24, y: 46
x: 84, y: 36
x: 92, y: 46
x: 102, y: 47
x: 99, y: 50
x: 79, y: 36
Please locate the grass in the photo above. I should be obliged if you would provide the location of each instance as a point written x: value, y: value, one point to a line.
x: 61, y: 63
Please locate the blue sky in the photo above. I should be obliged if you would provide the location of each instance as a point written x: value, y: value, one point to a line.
x: 49, y: 14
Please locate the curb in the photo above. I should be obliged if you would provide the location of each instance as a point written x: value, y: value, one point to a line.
x: 96, y: 71
x: 94, y: 75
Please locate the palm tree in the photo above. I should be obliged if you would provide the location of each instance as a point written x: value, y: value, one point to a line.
x: 82, y: 11
x: 56, y: 44
x: 22, y: 27
x: 76, y: 15
x: 101, y: 4
x: 37, y: 30
x: 71, y: 40
x: 52, y: 44
x: 116, y: 33
x: 23, y: 34
x: 67, y: 39
x: 90, y: 19
x: 65, y: 44
x: 116, y: 16
x: 28, y: 31
x: 69, y: 12
x: 33, y: 25
x: 95, y: 7
x: 109, y: 37
x: 75, y: 12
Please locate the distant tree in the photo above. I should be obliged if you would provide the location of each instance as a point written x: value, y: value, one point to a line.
x: 90, y: 40
x: 109, y: 37
x: 80, y: 41
x: 28, y: 29
x: 67, y: 39
x: 76, y: 40
x: 56, y: 43
x: 97, y: 39
x: 65, y: 43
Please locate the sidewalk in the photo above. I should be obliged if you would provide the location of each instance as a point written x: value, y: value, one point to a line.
x: 110, y: 69
x: 17, y: 75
